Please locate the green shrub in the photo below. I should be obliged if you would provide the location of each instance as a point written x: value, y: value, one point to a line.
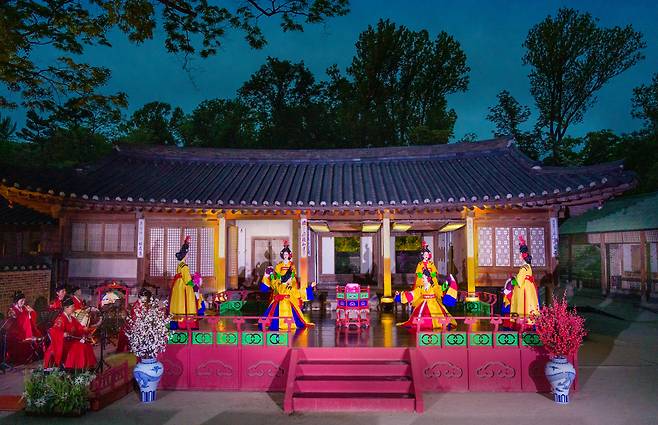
x: 57, y: 392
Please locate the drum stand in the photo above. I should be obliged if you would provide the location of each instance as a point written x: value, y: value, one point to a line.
x: 103, y: 334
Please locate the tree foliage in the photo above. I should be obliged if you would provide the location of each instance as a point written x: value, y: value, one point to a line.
x: 155, y: 123
x: 396, y: 86
x: 571, y: 58
x: 508, y: 115
x: 192, y: 27
x: 645, y: 104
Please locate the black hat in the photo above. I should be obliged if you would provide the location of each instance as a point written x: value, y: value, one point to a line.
x: 183, y: 249
x: 286, y: 248
x: 425, y: 249
x: 145, y: 293
x: 523, y: 249
x: 67, y: 301
x: 72, y: 289
x: 18, y: 295
x: 60, y: 287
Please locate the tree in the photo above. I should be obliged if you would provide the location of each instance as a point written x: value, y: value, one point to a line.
x: 7, y: 129
x: 286, y: 100
x: 397, y: 84
x: 508, y: 116
x: 68, y: 26
x: 571, y: 58
x: 221, y: 123
x: 601, y: 146
x: 645, y: 104
x: 155, y: 123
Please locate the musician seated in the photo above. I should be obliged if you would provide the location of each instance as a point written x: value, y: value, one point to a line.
x: 70, y: 345
x: 23, y: 335
x: 78, y: 303
x: 60, y: 293
x: 142, y: 303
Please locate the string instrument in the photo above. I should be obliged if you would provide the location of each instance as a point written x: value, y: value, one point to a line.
x: 89, y: 339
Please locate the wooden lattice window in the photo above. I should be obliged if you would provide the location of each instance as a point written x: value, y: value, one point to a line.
x: 537, y: 246
x: 111, y: 239
x: 516, y: 232
x: 207, y: 245
x: 173, y: 246
x: 127, y: 237
x: 485, y: 246
x: 94, y: 237
x: 156, y: 250
x: 502, y: 247
x: 78, y: 237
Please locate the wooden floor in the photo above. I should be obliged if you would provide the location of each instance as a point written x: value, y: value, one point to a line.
x: 382, y: 332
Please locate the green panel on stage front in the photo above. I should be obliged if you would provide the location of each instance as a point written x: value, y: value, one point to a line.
x: 352, y: 296
x: 201, y: 338
x: 481, y: 339
x: 252, y: 338
x: 454, y: 339
x: 364, y: 295
x: 429, y: 339
x: 227, y: 338
x: 507, y: 339
x: 177, y: 338
x: 531, y: 339
x: 277, y: 339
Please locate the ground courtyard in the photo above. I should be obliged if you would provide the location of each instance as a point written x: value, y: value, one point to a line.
x: 618, y: 385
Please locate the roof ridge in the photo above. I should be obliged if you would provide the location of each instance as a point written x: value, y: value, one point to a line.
x: 312, y: 155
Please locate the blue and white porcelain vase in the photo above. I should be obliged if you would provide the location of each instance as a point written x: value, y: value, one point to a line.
x: 147, y: 373
x: 561, y: 374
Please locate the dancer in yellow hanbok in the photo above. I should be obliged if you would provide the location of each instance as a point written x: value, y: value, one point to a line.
x: 428, y: 303
x: 182, y: 301
x: 426, y: 268
x: 288, y: 295
x: 525, y: 302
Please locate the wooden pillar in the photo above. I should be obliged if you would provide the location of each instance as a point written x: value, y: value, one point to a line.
x: 386, y: 256
x: 302, y: 241
x: 220, y: 254
x: 470, y: 253
x: 644, y: 292
x: 604, y: 265
x: 233, y: 256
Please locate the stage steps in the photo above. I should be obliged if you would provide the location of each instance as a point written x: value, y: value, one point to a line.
x: 352, y: 379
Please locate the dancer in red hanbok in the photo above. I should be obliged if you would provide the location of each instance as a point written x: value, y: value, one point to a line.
x: 142, y: 303
x: 69, y: 342
x: 23, y: 335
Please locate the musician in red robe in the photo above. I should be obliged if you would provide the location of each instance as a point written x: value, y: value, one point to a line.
x: 78, y: 303
x: 23, y: 335
x: 60, y: 293
x: 142, y: 303
x: 69, y: 343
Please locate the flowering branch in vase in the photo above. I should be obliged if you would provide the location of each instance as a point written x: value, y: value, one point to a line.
x: 148, y: 330
x: 560, y: 330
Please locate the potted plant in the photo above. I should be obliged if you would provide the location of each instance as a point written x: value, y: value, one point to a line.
x: 147, y: 332
x: 561, y: 331
x: 57, y: 393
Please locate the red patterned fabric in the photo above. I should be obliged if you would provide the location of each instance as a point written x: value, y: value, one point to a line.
x: 70, y: 352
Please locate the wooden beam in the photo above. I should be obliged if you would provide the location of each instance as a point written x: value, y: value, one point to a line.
x: 470, y: 252
x: 644, y: 284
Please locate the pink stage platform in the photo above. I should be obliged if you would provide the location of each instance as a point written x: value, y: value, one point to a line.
x: 383, y: 367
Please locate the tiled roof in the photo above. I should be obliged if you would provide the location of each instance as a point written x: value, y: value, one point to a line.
x: 623, y: 214
x: 22, y: 216
x: 492, y: 171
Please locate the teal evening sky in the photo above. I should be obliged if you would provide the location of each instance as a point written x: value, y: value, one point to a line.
x: 490, y: 32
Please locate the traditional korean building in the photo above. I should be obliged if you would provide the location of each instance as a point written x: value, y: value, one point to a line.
x: 350, y: 214
x: 625, y: 233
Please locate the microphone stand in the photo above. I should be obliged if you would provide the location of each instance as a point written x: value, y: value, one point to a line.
x: 103, y: 338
